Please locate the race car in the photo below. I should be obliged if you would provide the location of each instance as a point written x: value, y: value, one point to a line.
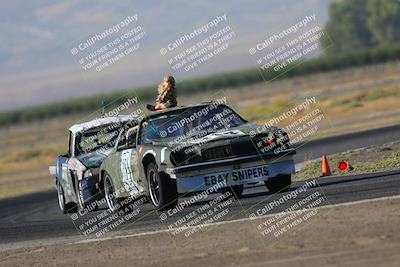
x: 76, y: 174
x: 183, y: 150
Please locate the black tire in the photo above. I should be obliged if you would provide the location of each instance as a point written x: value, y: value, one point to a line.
x: 113, y: 203
x: 162, y: 189
x: 280, y: 183
x: 235, y: 190
x: 79, y: 195
x: 64, y: 207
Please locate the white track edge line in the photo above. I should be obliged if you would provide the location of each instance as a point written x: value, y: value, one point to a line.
x: 238, y: 220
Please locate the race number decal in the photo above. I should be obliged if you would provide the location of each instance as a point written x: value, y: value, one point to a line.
x: 218, y: 135
x: 230, y: 133
x: 128, y: 179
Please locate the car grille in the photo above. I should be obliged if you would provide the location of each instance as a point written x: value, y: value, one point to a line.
x: 240, y: 147
x: 229, y: 151
x: 237, y: 148
x: 217, y: 153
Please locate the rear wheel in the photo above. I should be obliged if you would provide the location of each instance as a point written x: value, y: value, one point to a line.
x: 280, y: 183
x: 162, y: 189
x: 64, y: 207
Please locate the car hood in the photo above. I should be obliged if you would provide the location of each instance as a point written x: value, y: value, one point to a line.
x: 93, y: 159
x: 247, y: 129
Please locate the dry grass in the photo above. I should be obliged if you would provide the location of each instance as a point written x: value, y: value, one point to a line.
x: 348, y: 107
x: 382, y: 158
x: 25, y: 182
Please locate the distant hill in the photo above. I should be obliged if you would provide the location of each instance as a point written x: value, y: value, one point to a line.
x: 36, y: 66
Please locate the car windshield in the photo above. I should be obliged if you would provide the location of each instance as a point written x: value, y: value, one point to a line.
x: 194, y: 122
x: 97, y: 139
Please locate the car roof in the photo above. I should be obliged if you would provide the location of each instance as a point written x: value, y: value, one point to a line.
x: 101, y: 121
x: 125, y: 118
x: 166, y: 111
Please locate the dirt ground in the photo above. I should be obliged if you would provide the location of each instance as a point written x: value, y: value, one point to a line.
x: 362, y: 234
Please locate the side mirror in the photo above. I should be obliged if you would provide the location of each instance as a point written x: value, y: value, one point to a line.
x: 120, y: 147
x: 121, y: 144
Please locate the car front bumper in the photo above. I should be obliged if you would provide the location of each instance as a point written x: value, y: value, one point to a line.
x: 244, y: 170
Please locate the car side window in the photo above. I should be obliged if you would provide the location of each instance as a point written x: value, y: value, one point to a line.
x: 143, y: 138
x: 70, y: 144
x: 131, y: 137
x: 121, y: 141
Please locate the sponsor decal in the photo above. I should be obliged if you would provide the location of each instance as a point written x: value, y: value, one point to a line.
x: 128, y: 179
x: 236, y: 176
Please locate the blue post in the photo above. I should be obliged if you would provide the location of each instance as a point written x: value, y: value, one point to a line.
x: 103, y: 104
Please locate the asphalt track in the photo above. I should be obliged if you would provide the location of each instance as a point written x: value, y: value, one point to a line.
x: 36, y: 217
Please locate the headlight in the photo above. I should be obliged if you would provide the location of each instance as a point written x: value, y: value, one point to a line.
x: 87, y: 173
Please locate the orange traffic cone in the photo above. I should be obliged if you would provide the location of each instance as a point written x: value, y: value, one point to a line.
x: 345, y: 166
x: 326, y: 171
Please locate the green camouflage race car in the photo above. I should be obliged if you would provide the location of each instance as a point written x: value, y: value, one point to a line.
x: 190, y: 149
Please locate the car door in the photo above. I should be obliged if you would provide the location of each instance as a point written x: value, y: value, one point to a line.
x: 114, y: 163
x: 128, y: 161
x: 64, y: 174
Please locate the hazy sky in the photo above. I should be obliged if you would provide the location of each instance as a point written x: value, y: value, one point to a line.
x: 37, y: 66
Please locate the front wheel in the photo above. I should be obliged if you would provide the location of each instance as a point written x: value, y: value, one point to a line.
x: 279, y: 183
x: 79, y: 194
x: 162, y: 189
x: 109, y: 191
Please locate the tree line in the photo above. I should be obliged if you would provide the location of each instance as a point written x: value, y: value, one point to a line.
x: 355, y: 24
